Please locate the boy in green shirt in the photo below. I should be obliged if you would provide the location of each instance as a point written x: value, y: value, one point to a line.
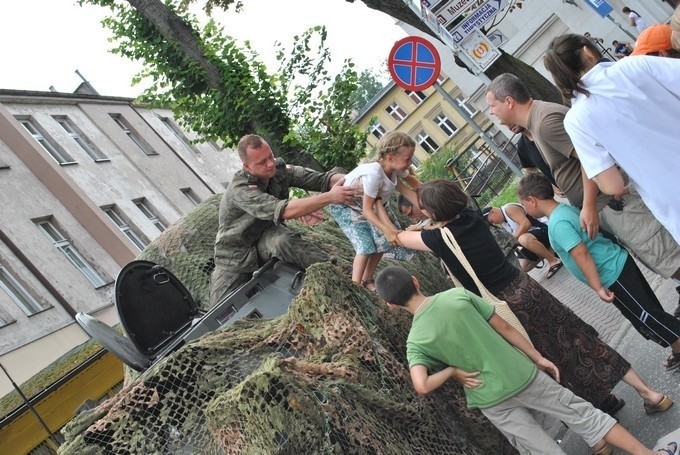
x: 460, y: 331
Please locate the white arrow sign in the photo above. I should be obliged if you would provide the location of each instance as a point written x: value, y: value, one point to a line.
x: 477, y: 19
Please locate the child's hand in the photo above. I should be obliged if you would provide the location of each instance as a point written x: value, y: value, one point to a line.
x: 605, y: 295
x: 469, y: 380
x: 546, y: 365
x: 393, y: 238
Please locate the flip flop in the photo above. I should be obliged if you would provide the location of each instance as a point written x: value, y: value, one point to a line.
x: 553, y: 270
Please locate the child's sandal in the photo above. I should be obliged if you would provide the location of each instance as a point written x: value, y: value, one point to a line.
x: 370, y: 282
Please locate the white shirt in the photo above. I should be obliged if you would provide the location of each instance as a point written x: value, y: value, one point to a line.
x: 639, y: 22
x: 370, y: 179
x: 632, y: 118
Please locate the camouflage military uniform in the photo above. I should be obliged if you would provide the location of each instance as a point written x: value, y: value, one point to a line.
x: 251, y: 229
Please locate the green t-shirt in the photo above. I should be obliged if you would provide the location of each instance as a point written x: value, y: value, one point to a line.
x: 565, y: 233
x: 453, y: 329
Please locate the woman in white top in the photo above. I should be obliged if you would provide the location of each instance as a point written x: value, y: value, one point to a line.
x: 623, y: 114
x: 635, y: 19
x: 368, y: 222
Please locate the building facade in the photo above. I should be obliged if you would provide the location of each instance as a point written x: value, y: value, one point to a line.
x: 437, y: 127
x: 86, y: 181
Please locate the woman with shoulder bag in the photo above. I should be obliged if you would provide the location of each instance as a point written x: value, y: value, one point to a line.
x: 589, y: 367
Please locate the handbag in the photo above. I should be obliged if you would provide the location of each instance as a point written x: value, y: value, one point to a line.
x: 501, y: 307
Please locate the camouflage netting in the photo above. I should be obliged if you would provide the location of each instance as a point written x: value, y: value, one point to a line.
x: 330, y: 376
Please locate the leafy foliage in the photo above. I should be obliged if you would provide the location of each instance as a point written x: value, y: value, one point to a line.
x: 221, y: 90
x: 435, y: 166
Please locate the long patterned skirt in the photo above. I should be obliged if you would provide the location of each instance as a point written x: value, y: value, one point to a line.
x: 588, y: 367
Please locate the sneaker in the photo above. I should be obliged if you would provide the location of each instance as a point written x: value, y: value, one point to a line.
x: 672, y: 362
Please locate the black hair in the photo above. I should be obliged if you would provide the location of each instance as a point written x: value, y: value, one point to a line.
x: 535, y: 185
x: 442, y: 199
x: 395, y: 285
x: 564, y: 60
x: 403, y: 202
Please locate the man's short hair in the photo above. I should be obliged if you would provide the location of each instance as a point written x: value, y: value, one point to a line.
x: 252, y: 141
x: 486, y: 211
x: 395, y: 285
x: 535, y: 185
x: 403, y: 202
x: 508, y: 84
x: 653, y: 39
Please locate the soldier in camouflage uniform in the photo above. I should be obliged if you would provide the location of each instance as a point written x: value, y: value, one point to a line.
x: 253, y: 211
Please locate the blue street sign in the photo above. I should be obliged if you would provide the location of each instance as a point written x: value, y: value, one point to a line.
x: 601, y: 6
x: 477, y: 19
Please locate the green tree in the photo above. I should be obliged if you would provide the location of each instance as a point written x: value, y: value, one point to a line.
x: 435, y: 167
x: 368, y: 85
x: 221, y: 90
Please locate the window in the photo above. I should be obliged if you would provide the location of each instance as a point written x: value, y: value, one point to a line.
x: 396, y: 112
x: 417, y: 97
x: 441, y: 78
x: 415, y: 161
x: 64, y: 245
x: 55, y: 152
x: 377, y: 130
x: 446, y: 125
x: 131, y: 233
x: 145, y: 207
x: 82, y: 141
x: 189, y: 193
x: 179, y: 134
x: 464, y: 103
x: 427, y: 142
x: 18, y: 294
x: 132, y: 134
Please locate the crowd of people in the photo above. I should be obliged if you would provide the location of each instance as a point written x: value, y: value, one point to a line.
x: 610, y: 158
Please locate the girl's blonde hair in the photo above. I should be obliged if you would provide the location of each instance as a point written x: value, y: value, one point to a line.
x: 391, y: 142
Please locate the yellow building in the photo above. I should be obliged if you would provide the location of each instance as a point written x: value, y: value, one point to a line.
x: 436, y: 127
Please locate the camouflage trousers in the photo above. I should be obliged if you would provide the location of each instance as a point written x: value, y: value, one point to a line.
x: 277, y: 241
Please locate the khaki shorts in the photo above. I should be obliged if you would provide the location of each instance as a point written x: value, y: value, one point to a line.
x: 519, y: 418
x: 642, y: 234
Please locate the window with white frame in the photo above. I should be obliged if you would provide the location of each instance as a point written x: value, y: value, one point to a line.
x: 179, y: 134
x: 377, y: 129
x: 417, y: 97
x: 415, y: 161
x: 445, y: 124
x: 441, y: 78
x: 18, y: 294
x: 74, y: 257
x: 189, y: 193
x: 145, y: 207
x: 396, y: 111
x: 132, y: 134
x: 465, y: 104
x: 125, y: 227
x: 427, y: 142
x: 79, y: 138
x: 56, y: 152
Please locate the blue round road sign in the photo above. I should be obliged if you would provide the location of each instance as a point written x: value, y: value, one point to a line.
x: 414, y: 63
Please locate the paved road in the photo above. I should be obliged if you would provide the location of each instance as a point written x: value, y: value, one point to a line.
x: 645, y: 356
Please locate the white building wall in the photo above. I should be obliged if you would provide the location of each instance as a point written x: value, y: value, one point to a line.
x: 30, y: 343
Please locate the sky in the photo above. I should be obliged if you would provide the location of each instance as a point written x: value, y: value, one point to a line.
x: 45, y: 41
